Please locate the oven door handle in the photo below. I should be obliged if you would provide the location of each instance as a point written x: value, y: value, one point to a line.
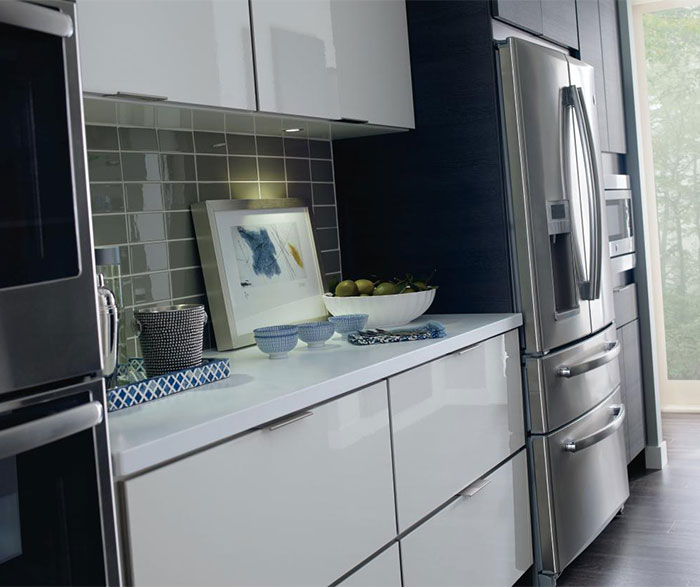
x: 36, y: 18
x: 612, y: 350
x: 36, y: 433
x: 602, y: 434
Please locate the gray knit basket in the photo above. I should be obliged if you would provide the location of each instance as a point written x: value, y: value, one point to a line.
x: 171, y: 337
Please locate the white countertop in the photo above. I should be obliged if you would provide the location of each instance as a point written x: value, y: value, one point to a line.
x: 261, y: 390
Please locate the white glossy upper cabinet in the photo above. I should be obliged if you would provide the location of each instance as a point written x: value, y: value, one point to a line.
x: 336, y: 59
x: 191, y: 51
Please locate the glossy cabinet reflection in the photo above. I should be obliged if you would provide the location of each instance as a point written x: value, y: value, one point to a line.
x: 292, y: 504
x: 482, y: 539
x: 334, y: 59
x: 454, y: 419
x: 196, y: 52
x: 384, y: 571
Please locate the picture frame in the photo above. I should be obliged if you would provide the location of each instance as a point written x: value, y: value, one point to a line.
x: 261, y: 266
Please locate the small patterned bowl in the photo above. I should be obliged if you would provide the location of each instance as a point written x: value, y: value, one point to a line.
x: 276, y: 341
x: 347, y: 323
x: 315, y: 334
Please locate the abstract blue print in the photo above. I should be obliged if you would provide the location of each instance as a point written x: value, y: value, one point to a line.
x: 264, y: 252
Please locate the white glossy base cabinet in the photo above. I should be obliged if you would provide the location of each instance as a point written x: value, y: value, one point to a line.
x: 453, y: 419
x: 383, y: 571
x: 190, y: 51
x: 297, y: 505
x: 480, y: 540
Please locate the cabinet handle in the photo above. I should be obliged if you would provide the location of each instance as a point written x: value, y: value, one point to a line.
x: 289, y: 420
x: 468, y: 349
x: 352, y: 120
x: 622, y: 288
x: 474, y: 488
x: 135, y: 96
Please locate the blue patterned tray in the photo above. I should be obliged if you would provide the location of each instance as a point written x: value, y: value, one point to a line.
x: 146, y: 390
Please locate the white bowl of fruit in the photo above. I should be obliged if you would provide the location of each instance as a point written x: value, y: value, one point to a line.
x: 387, y: 303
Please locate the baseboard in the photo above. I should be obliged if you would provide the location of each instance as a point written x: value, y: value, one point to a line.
x: 680, y: 409
x: 656, y: 457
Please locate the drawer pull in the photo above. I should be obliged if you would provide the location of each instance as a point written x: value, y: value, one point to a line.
x: 135, y: 96
x: 468, y: 349
x: 474, y: 488
x: 290, y: 420
x: 602, y: 434
x: 612, y: 350
x: 622, y: 288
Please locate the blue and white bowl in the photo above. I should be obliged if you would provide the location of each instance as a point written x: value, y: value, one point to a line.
x: 347, y: 323
x: 276, y: 341
x: 315, y: 334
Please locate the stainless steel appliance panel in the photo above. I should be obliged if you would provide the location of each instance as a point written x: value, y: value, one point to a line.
x: 618, y: 212
x: 549, y: 229
x: 581, y: 482
x: 46, y: 312
x: 567, y: 383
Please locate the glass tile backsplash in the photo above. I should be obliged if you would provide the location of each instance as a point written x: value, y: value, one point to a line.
x: 147, y: 164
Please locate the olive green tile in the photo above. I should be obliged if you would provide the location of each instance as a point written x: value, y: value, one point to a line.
x: 245, y: 191
x: 128, y: 291
x: 320, y: 149
x: 107, y: 197
x: 324, y: 194
x: 135, y: 114
x: 273, y: 190
x: 151, y: 288
x: 179, y: 225
x: 141, y: 167
x: 241, y: 144
x: 321, y: 170
x: 179, y: 196
x: 326, y: 238
x: 296, y: 147
x: 183, y: 254
x: 208, y: 120
x: 242, y: 168
x: 213, y: 191
x: 212, y: 168
x: 187, y: 282
x: 178, y: 141
x: 324, y: 216
x: 101, y: 138
x: 100, y: 111
x: 104, y: 166
x: 138, y: 139
x: 147, y: 226
x: 109, y: 230
x: 297, y: 169
x: 300, y: 190
x: 124, y: 260
x: 143, y: 197
x: 330, y: 261
x: 210, y: 142
x: 270, y: 146
x: 173, y: 117
x: 178, y: 168
x: 240, y: 123
x: 271, y: 169
x: 150, y: 257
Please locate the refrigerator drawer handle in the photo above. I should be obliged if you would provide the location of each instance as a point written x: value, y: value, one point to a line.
x: 610, y: 353
x: 602, y: 434
x: 43, y: 431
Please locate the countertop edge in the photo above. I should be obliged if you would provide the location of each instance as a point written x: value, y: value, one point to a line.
x: 134, y: 461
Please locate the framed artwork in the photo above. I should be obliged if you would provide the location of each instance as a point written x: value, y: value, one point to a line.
x: 260, y: 264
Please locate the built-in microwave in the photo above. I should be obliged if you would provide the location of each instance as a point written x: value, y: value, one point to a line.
x: 618, y: 206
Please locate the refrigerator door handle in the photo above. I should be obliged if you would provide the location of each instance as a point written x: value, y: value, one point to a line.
x: 602, y: 434
x: 590, y: 290
x: 611, y: 352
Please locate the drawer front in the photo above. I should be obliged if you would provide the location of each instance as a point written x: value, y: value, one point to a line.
x: 579, y: 492
x: 625, y: 298
x: 384, y: 571
x: 299, y: 504
x: 480, y: 540
x: 557, y: 397
x: 453, y: 419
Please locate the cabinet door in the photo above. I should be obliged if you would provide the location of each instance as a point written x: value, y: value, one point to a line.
x: 592, y: 53
x: 453, y: 419
x: 383, y: 571
x: 334, y: 59
x: 634, y: 391
x: 617, y: 142
x: 482, y: 539
x: 524, y: 14
x: 191, y: 51
x: 559, y: 22
x: 297, y: 504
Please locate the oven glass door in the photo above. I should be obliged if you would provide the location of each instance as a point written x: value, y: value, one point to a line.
x: 38, y: 234
x: 50, y: 521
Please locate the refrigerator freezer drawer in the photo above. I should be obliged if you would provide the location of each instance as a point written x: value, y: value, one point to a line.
x: 567, y: 383
x: 581, y: 482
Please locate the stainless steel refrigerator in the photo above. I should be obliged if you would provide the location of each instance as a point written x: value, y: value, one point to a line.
x: 562, y: 268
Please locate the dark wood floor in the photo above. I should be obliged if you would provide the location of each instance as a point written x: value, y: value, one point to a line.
x: 656, y: 542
